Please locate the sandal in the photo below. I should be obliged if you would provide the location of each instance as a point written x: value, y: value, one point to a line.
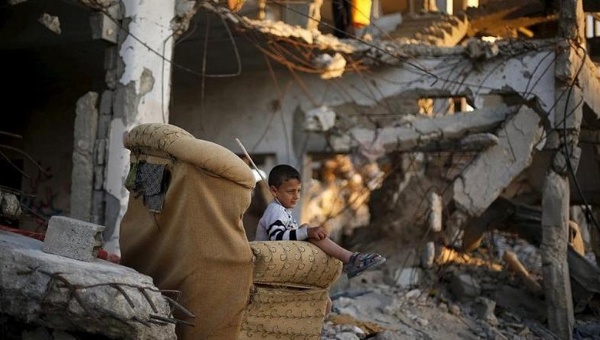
x: 360, y: 262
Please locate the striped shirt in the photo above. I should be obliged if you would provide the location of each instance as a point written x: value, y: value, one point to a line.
x: 277, y: 224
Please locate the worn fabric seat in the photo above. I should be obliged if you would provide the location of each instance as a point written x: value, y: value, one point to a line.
x: 183, y: 227
x: 291, y: 287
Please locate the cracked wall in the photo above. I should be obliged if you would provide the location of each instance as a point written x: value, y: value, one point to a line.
x: 141, y: 88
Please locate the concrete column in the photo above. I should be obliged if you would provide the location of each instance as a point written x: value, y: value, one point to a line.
x: 141, y: 93
x: 556, y: 195
x: 82, y: 177
x: 557, y: 285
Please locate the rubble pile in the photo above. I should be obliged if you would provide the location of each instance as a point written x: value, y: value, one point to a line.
x: 493, y: 292
x: 44, y: 295
x: 461, y: 297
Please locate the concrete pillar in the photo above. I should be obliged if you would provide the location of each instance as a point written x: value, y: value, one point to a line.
x: 84, y: 156
x: 555, y: 239
x: 142, y: 82
x: 556, y: 195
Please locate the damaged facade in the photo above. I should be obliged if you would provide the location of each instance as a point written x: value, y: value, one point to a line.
x: 472, y: 104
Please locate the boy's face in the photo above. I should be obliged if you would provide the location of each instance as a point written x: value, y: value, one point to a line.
x: 288, y: 192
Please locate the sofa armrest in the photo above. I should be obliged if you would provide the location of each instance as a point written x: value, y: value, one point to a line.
x: 293, y: 264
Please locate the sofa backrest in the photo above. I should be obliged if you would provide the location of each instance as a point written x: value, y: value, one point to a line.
x: 183, y: 225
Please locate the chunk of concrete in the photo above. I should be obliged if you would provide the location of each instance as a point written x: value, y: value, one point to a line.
x: 97, y: 297
x: 465, y: 287
x: 73, y: 238
x: 484, y: 309
x: 408, y: 277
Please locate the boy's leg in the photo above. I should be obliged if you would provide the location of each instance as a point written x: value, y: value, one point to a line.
x: 360, y: 262
x: 332, y: 249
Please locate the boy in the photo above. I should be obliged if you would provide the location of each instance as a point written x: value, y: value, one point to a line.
x: 277, y: 223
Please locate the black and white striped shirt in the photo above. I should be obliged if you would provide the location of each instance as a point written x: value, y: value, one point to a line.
x: 277, y: 224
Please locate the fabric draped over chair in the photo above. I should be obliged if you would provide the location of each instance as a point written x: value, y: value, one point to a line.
x: 194, y: 241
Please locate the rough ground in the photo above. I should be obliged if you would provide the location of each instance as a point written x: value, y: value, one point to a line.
x: 462, y: 296
x: 439, y: 305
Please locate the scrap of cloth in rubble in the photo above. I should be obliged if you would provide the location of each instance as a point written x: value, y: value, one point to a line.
x: 149, y: 181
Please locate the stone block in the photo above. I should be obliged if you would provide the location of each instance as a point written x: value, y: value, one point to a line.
x: 464, y: 287
x: 104, y: 28
x: 73, y: 238
x: 428, y: 256
x: 408, y: 277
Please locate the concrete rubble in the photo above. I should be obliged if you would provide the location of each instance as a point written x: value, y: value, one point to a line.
x: 496, y: 142
x: 460, y: 298
x: 64, y: 294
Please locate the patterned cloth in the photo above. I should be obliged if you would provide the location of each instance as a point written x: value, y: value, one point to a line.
x: 148, y: 180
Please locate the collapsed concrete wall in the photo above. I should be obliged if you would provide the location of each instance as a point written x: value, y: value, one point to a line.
x: 97, y: 296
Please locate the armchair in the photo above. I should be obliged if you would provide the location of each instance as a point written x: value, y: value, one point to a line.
x: 183, y: 227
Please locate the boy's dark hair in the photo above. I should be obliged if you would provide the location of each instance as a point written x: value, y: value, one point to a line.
x: 281, y: 173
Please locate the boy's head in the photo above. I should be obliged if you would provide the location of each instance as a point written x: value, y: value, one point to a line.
x: 285, y: 184
x: 282, y: 173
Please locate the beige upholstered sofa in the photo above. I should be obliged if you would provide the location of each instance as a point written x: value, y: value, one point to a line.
x: 183, y: 227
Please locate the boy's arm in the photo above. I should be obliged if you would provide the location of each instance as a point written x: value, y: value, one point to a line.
x: 315, y: 233
x: 277, y: 232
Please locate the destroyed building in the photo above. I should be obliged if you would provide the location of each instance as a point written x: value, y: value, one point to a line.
x: 473, y: 104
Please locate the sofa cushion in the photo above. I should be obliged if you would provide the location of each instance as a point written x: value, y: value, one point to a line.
x: 293, y: 264
x: 284, y: 313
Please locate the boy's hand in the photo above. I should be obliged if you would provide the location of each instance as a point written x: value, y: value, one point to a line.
x: 316, y: 233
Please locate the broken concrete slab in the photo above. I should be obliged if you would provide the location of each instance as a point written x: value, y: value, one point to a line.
x: 96, y: 297
x: 521, y: 303
x: 319, y: 119
x: 425, y: 130
x: 431, y: 28
x: 501, y: 75
x: 484, y: 179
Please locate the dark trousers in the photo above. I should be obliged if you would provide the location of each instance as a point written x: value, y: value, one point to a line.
x: 341, y: 17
